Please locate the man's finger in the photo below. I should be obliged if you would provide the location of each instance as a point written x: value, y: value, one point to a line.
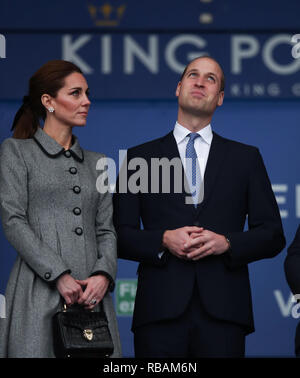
x: 195, y: 242
x: 199, y: 251
x: 194, y: 235
x: 191, y: 229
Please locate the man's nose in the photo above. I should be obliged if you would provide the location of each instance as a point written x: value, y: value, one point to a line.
x: 200, y: 81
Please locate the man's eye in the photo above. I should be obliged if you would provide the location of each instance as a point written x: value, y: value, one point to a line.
x: 211, y: 78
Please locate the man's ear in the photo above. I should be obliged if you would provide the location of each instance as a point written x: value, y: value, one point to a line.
x: 178, y: 89
x: 221, y: 98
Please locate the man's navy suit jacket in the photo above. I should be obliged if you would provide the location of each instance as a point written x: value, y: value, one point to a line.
x: 236, y: 185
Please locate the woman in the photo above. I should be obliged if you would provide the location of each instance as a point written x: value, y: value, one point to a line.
x: 53, y: 215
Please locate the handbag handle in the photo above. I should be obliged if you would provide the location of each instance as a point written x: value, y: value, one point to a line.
x: 100, y: 304
x: 65, y: 308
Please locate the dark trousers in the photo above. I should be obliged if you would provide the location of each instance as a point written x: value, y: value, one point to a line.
x: 194, y: 334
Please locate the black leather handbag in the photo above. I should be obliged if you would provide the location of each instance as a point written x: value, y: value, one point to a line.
x: 80, y: 333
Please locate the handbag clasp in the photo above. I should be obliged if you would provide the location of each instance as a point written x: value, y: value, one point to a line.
x: 88, y: 334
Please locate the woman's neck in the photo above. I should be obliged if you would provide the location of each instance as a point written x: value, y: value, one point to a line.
x: 62, y: 134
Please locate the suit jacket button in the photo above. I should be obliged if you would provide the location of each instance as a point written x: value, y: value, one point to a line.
x: 197, y: 223
x: 67, y: 154
x: 79, y: 231
x: 47, y: 275
x: 76, y: 189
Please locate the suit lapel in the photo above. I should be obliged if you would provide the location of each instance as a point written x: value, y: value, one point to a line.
x: 169, y: 147
x: 214, y: 164
x: 170, y: 150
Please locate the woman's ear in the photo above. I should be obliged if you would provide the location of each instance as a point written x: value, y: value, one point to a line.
x: 46, y: 100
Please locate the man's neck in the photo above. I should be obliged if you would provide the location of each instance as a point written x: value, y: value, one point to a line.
x: 192, y: 123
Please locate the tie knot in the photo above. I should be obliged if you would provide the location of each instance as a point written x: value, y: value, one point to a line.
x: 193, y: 136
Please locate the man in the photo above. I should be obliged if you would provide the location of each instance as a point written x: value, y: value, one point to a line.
x: 193, y: 296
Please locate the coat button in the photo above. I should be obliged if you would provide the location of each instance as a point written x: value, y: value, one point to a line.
x: 76, y: 189
x: 77, y: 211
x: 47, y: 275
x: 197, y: 223
x: 73, y: 170
x: 78, y: 230
x: 67, y: 154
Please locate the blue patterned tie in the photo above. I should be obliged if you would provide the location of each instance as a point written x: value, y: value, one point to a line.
x: 193, y: 168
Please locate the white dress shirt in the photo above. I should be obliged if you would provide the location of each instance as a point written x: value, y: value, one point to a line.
x: 202, y: 144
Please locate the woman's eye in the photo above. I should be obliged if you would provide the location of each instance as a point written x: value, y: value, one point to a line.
x: 75, y: 93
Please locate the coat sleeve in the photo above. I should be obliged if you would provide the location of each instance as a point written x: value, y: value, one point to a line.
x: 134, y: 243
x: 265, y: 237
x: 106, y: 263
x: 292, y: 264
x: 44, y: 261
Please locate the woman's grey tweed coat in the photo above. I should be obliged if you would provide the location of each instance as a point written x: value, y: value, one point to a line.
x: 41, y: 185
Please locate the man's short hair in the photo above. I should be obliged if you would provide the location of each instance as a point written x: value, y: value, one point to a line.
x: 222, y: 86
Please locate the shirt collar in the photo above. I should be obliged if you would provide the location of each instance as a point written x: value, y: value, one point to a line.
x: 53, y: 149
x: 180, y: 133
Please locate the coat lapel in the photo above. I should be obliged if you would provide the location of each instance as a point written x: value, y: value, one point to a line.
x: 170, y: 150
x: 214, y: 164
x: 169, y: 146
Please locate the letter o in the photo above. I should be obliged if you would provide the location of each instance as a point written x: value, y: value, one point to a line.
x: 267, y: 55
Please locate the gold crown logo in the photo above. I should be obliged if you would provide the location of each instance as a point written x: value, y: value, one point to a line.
x: 105, y: 14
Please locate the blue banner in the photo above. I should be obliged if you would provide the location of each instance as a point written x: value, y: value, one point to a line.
x: 148, y: 65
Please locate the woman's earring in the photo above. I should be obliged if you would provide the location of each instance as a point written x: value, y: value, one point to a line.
x: 51, y: 109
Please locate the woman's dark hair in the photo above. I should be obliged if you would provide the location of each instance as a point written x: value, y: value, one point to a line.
x: 48, y: 79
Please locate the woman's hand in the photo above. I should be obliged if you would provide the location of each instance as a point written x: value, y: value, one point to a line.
x: 96, y: 287
x: 69, y: 289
